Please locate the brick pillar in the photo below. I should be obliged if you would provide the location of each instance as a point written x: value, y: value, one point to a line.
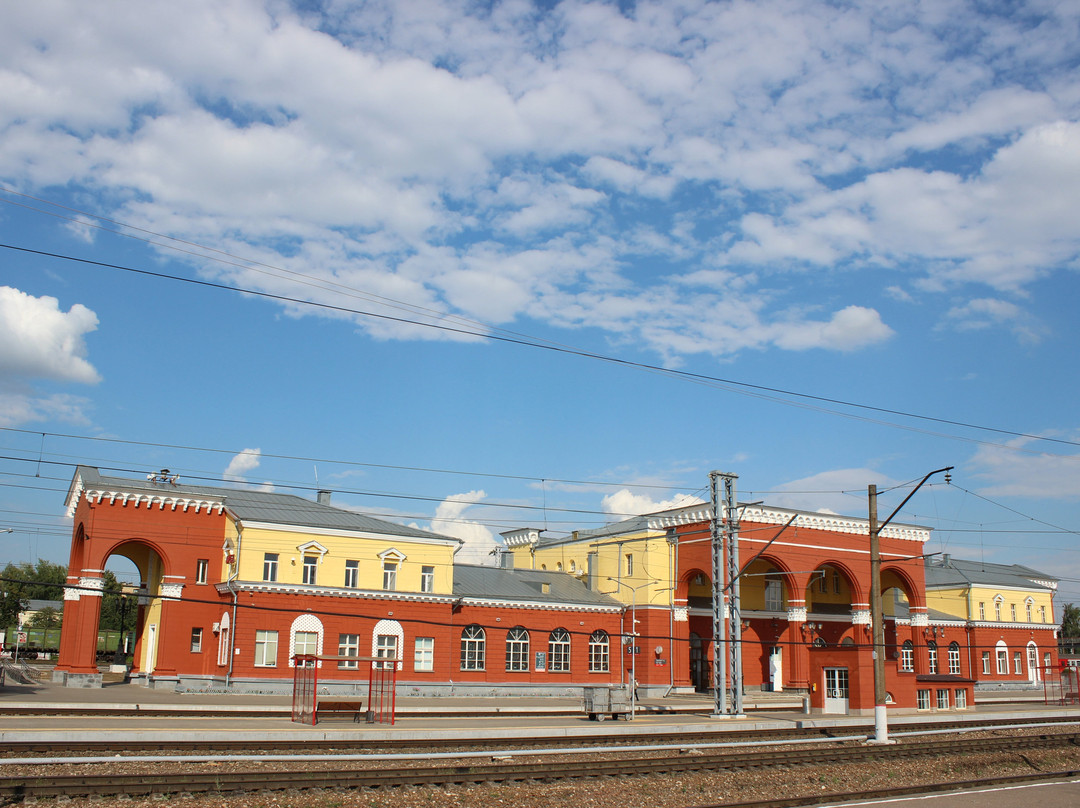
x: 77, y: 665
x: 796, y: 651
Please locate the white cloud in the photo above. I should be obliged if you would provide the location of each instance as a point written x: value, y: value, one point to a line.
x: 242, y: 464
x: 449, y: 520
x: 22, y: 408
x: 624, y: 503
x: 1016, y: 469
x: 842, y: 491
x: 38, y: 340
x: 983, y: 313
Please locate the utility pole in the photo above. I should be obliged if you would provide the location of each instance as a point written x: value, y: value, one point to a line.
x: 725, y: 553
x: 881, y: 721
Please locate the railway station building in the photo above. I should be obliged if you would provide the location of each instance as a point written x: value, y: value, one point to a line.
x: 235, y: 582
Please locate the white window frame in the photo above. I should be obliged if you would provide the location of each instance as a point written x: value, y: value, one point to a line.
x: 1002, y: 661
x: 599, y: 652
x: 931, y: 657
x: 266, y: 648
x: 559, y: 651
x: 774, y: 594
x: 424, y: 654
x: 196, y: 639
x: 348, y: 646
x: 473, y: 648
x: 986, y: 662
x: 517, y: 650
x: 954, y: 658
x: 427, y: 578
x: 202, y: 570
x: 922, y: 699
x: 352, y: 574
x: 386, y: 647
x: 1018, y: 662
x: 960, y: 698
x: 270, y: 567
x: 943, y: 698
x: 907, y: 657
x: 311, y: 570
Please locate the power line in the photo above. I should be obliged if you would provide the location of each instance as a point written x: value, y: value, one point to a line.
x: 532, y: 342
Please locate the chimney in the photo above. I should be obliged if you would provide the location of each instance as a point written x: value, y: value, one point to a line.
x: 324, y: 497
x: 506, y: 560
x: 946, y: 560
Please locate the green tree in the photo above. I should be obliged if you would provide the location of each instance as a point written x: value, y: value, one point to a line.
x: 25, y: 582
x: 1070, y: 625
x: 46, y: 618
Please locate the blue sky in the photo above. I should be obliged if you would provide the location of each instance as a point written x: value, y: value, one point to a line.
x: 766, y: 212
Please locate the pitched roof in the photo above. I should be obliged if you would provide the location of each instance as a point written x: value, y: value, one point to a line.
x: 498, y: 583
x: 954, y: 572
x: 250, y: 505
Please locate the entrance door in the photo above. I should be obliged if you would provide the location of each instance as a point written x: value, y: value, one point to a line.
x: 836, y: 690
x: 1033, y: 663
x: 151, y: 647
x: 776, y: 668
x: 699, y: 666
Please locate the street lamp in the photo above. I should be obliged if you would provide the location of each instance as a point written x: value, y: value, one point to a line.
x: 633, y: 638
x: 881, y: 722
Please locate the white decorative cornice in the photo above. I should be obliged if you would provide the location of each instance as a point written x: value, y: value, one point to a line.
x: 331, y: 592
x: 200, y: 504
x: 521, y: 537
x: 796, y: 614
x: 348, y: 533
x: 92, y: 587
x: 171, y: 591
x: 919, y: 619
x: 860, y: 617
x: 703, y: 512
x: 681, y: 614
x: 311, y: 548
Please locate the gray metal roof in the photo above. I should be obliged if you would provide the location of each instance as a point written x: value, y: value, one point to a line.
x: 498, y: 583
x: 253, y: 505
x: 953, y: 572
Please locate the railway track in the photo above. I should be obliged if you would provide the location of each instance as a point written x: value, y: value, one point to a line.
x: 510, y: 768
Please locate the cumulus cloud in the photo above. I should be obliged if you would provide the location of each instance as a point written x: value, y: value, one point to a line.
x: 38, y: 340
x: 450, y: 520
x: 242, y: 464
x: 984, y: 313
x: 1015, y: 470
x: 625, y: 502
x: 569, y: 165
x: 842, y: 491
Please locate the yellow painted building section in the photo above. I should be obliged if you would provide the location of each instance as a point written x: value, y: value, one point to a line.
x: 331, y: 553
x: 997, y: 605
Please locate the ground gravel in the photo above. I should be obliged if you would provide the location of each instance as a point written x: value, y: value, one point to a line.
x: 679, y: 790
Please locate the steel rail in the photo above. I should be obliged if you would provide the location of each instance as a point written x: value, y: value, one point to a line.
x: 503, y: 771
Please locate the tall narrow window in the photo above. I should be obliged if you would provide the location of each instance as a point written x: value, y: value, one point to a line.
x: 907, y: 656
x: 559, y: 651
x: 774, y: 595
x: 201, y: 568
x: 1012, y: 611
x: 986, y: 662
x: 982, y: 610
x: 311, y: 564
x: 472, y: 648
x: 427, y: 579
x: 599, y: 652
x: 1018, y: 662
x: 836, y: 582
x: 931, y: 653
x: 352, y: 574
x: 1027, y: 609
x: 424, y: 654
x: 997, y: 609
x: 954, y: 658
x: 196, y: 641
x: 629, y: 564
x: 1002, y: 661
x: 265, y: 649
x: 1042, y: 613
x: 270, y: 564
x: 306, y: 643
x: 517, y: 649
x: 389, y: 574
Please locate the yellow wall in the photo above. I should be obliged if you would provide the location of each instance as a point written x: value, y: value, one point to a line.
x: 256, y: 542
x: 955, y: 602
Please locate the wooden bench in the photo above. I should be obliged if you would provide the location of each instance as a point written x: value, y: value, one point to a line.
x: 355, y: 707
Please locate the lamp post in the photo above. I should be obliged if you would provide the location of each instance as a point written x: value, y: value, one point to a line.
x: 633, y: 639
x: 881, y: 722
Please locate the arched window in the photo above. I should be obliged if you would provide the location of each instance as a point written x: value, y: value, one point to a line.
x: 954, y: 658
x: 931, y: 653
x: 600, y: 652
x: 559, y: 651
x: 517, y: 649
x: 224, y: 648
x: 907, y: 656
x: 1002, y: 652
x: 1029, y: 606
x: 998, y: 600
x: 305, y: 637
x: 473, y: 643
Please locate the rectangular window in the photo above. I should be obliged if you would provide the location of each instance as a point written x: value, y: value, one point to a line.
x: 1027, y: 611
x: 389, y: 575
x: 386, y: 648
x: 427, y: 579
x: 265, y: 649
x: 774, y: 596
x: 836, y: 583
x: 1012, y: 611
x: 629, y: 564
x: 922, y: 700
x: 986, y: 662
x: 931, y: 657
x: 943, y: 699
x: 352, y: 574
x: 1042, y: 613
x: 424, y: 654
x: 196, y: 641
x: 823, y: 584
x: 348, y: 646
x: 960, y: 699
x: 1002, y: 661
x: 907, y: 658
x: 202, y: 567
x: 997, y: 610
x: 306, y: 643
x: 311, y: 565
x: 1046, y: 659
x: 1018, y: 662
x: 982, y: 610
x: 270, y: 566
